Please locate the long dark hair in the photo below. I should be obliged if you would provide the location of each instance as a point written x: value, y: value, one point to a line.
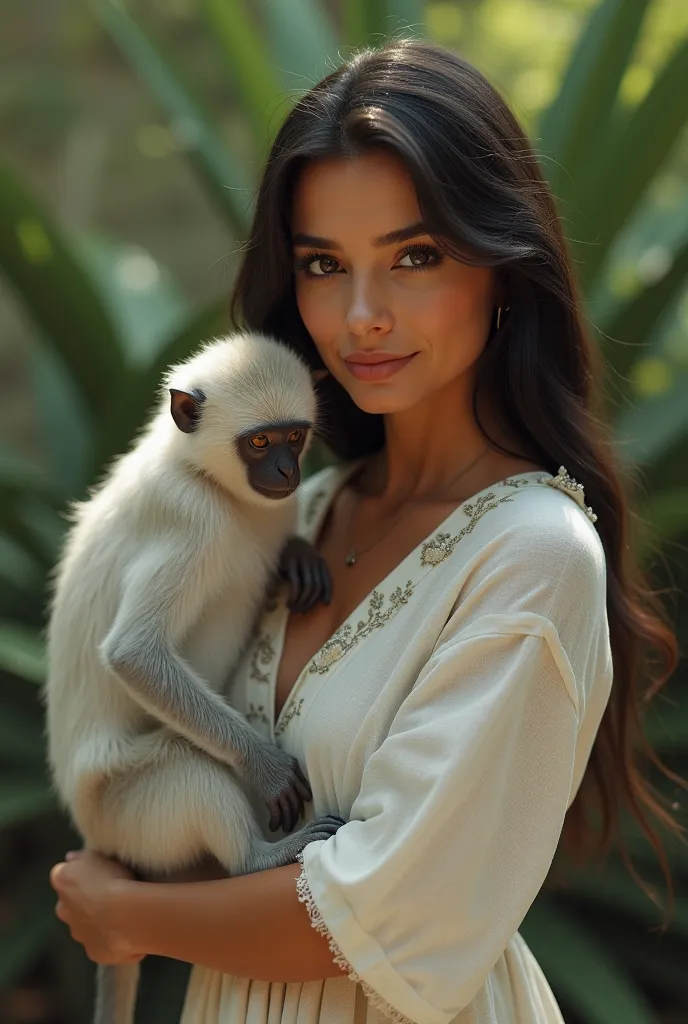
x: 484, y: 200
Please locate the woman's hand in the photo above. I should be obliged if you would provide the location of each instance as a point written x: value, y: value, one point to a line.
x: 86, y: 884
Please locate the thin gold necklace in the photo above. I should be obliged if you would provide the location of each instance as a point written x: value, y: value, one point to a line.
x: 354, y: 552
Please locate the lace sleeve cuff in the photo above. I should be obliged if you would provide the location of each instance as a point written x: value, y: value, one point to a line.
x: 305, y: 896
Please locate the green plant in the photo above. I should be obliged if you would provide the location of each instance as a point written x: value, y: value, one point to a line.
x: 94, y: 396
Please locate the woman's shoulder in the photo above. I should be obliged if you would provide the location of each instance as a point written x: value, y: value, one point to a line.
x: 535, y: 527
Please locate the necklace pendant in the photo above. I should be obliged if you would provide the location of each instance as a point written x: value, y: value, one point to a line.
x: 351, y: 557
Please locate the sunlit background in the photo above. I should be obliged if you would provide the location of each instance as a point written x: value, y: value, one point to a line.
x: 132, y: 138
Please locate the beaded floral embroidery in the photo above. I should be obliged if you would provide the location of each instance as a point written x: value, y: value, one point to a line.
x: 432, y: 553
x: 264, y: 652
x: 344, y: 639
x: 257, y: 713
x: 442, y: 545
x: 291, y: 711
x: 563, y: 482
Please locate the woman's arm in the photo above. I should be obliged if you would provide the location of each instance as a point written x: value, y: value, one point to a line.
x: 253, y: 926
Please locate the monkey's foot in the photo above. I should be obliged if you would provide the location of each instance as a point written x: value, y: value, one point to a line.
x: 306, y: 571
x: 275, y: 855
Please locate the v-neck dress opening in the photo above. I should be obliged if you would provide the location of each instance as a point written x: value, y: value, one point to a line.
x: 339, y: 478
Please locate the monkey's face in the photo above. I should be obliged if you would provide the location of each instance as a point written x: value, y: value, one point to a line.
x: 271, y: 454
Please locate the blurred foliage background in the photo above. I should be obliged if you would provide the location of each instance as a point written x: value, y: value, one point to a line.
x: 133, y: 136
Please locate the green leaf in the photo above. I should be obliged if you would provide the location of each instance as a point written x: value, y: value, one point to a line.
x: 366, y: 22
x: 667, y: 513
x: 303, y: 41
x: 634, y: 323
x: 23, y: 799
x: 249, y: 63
x: 69, y: 434
x: 28, y: 531
x: 141, y: 296
x: 21, y: 734
x: 143, y: 391
x: 645, y: 431
x: 22, y: 652
x: 226, y: 180
x: 658, y: 960
x: 29, y: 504
x: 614, y: 890
x: 409, y: 14
x: 656, y: 963
x: 613, y: 184
x: 666, y: 726
x: 24, y: 940
x: 20, y: 474
x: 20, y: 573
x: 581, y: 969
x: 578, y: 116
x: 57, y: 292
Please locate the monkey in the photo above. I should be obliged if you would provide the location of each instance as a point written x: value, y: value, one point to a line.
x: 163, y: 571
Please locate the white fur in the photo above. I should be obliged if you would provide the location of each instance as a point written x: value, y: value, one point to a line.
x: 173, y: 544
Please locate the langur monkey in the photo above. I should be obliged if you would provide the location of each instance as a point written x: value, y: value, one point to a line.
x: 162, y: 574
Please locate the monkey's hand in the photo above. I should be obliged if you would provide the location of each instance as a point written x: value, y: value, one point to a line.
x: 307, y: 573
x: 279, y: 782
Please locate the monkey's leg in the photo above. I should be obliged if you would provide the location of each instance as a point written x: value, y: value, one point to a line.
x: 116, y: 986
x: 264, y: 855
x: 166, y: 814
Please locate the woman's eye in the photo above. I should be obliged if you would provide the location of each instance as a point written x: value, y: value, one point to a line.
x: 421, y: 257
x: 428, y: 257
x: 322, y: 260
x: 260, y: 441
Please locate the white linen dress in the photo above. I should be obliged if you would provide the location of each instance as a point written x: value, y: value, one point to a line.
x: 449, y: 721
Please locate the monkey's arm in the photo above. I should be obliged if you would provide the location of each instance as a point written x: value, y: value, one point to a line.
x: 251, y: 926
x: 163, y: 595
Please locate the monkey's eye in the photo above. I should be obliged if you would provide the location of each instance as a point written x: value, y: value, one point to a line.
x: 259, y: 441
x: 295, y: 436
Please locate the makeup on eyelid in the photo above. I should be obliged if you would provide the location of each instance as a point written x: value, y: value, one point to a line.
x: 302, y: 263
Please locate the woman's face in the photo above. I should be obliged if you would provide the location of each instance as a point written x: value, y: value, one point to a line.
x: 359, y: 293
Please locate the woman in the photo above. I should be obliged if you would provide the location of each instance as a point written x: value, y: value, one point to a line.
x: 449, y: 699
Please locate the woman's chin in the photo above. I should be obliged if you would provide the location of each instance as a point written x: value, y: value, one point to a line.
x: 380, y: 401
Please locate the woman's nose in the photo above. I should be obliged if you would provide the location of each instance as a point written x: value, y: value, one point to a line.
x: 367, y: 309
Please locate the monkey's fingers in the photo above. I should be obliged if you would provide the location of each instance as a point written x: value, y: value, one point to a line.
x: 292, y: 573
x: 291, y: 806
x: 310, y: 591
x: 302, y: 783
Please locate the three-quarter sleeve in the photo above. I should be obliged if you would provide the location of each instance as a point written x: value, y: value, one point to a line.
x: 461, y: 807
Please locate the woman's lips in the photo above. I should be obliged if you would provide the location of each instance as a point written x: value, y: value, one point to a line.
x: 378, y: 371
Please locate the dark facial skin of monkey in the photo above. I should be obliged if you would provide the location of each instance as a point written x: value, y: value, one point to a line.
x: 271, y: 454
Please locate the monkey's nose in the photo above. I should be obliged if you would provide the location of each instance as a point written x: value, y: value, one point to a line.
x: 287, y: 471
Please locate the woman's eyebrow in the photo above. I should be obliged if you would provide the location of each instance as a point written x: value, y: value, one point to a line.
x: 391, y: 238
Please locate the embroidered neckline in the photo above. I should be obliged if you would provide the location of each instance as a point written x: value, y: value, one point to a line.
x: 380, y: 608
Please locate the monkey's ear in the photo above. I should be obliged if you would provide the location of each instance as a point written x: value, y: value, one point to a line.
x: 185, y: 407
x: 318, y: 375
